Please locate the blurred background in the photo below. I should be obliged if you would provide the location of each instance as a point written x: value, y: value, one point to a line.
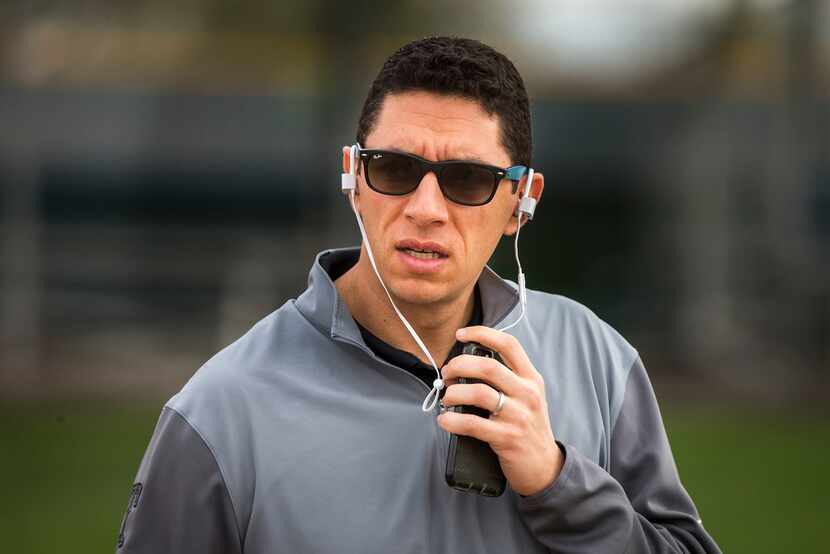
x: 168, y: 170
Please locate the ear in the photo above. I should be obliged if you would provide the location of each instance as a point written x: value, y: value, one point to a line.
x: 536, y: 188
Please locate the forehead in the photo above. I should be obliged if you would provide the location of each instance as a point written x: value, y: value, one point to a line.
x: 438, y: 127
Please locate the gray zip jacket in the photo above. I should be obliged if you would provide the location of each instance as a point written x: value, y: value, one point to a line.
x: 296, y: 438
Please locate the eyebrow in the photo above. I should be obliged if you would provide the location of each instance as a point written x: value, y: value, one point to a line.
x: 471, y: 158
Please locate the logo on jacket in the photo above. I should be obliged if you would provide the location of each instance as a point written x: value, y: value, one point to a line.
x: 135, y: 494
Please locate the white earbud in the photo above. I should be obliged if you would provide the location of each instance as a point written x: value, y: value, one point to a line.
x: 348, y: 181
x: 527, y: 205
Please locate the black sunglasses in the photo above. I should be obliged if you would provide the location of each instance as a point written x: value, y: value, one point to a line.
x: 463, y: 182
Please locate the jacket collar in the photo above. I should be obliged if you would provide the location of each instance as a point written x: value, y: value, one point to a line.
x: 325, y: 309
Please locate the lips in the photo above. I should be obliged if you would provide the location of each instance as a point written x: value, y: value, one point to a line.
x: 423, y: 250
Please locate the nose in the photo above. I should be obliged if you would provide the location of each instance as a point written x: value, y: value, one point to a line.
x: 427, y: 205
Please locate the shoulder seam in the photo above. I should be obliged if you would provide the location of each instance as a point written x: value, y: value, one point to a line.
x: 218, y: 467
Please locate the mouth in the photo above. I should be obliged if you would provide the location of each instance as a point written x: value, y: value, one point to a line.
x: 423, y: 258
x: 422, y: 254
x: 422, y: 250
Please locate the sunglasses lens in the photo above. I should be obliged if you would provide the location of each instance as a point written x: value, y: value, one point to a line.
x: 467, y: 183
x: 391, y: 173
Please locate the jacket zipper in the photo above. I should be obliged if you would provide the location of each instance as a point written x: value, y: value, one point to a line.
x: 443, y: 437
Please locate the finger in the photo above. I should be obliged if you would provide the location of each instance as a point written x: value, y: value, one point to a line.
x: 489, y: 370
x: 508, y: 347
x: 475, y: 394
x: 488, y: 430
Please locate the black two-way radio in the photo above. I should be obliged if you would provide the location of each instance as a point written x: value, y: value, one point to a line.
x: 472, y: 466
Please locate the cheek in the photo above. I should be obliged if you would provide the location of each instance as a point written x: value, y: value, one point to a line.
x: 377, y: 214
x: 483, y: 234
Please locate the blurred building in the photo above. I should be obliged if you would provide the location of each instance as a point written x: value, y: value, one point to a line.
x: 167, y: 174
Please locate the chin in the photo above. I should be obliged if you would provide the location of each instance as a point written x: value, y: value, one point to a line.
x: 417, y: 291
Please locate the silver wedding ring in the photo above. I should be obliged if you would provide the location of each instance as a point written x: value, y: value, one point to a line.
x: 500, y: 405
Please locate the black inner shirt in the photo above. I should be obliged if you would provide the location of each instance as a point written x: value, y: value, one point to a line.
x: 401, y: 358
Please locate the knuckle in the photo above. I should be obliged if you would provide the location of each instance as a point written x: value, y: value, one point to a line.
x: 480, y: 393
x: 522, y: 418
x: 488, y: 369
x: 468, y: 424
x: 469, y: 361
x: 533, y: 398
x: 511, y: 342
x: 513, y: 435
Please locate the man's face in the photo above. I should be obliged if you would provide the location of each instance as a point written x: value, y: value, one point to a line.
x: 437, y: 128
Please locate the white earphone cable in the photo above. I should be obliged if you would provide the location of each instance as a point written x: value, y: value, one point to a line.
x: 522, y: 294
x: 438, y: 384
x: 432, y: 398
x: 523, y: 204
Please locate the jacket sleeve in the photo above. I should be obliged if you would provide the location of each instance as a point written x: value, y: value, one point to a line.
x: 179, y: 502
x: 639, y: 507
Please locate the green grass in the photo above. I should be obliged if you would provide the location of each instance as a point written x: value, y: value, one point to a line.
x: 68, y: 472
x: 760, y: 482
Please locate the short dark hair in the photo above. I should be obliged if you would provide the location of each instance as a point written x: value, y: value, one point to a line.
x: 457, y: 67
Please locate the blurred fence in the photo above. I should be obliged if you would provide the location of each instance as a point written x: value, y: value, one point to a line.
x: 146, y: 223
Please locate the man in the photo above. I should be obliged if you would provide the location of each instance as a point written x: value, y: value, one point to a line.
x: 308, y: 435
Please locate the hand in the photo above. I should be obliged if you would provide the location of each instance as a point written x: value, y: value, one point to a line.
x: 520, y: 434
